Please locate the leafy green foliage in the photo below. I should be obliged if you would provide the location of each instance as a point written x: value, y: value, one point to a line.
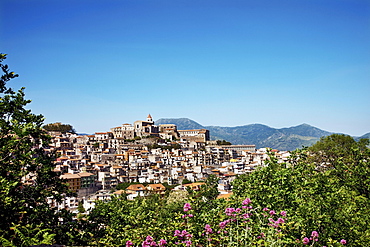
x: 186, y: 181
x: 59, y: 127
x: 209, y: 191
x: 125, y: 220
x: 28, y: 235
x: 326, y: 188
x: 192, y: 220
x: 26, y: 171
x: 223, y: 142
x: 80, y: 207
x: 165, y: 147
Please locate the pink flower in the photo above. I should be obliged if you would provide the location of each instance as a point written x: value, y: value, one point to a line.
x: 343, y: 242
x: 245, y: 216
x: 129, y: 243
x: 187, y: 207
x: 306, y: 240
x: 283, y: 213
x: 187, y: 215
x: 162, y: 242
x: 229, y: 211
x: 246, y: 201
x: 281, y: 220
x: 314, y: 234
x: 208, y: 229
x: 223, y: 224
x: 265, y: 209
x: 188, y: 243
x: 272, y: 212
x: 149, y: 242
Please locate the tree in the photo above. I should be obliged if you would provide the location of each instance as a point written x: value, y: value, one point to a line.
x: 223, y: 142
x: 26, y: 172
x: 336, y: 148
x: 332, y: 199
x: 60, y: 127
x: 186, y: 181
x: 80, y: 207
x: 345, y: 157
x: 209, y: 191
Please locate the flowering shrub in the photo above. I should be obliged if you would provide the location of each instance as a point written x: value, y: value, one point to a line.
x: 244, y: 226
x: 327, y: 199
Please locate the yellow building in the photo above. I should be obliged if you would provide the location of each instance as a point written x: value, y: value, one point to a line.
x: 72, y: 180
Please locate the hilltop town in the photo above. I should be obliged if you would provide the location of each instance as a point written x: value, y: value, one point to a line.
x: 143, y: 153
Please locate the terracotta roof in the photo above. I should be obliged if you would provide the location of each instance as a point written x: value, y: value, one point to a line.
x: 69, y: 176
x: 157, y: 186
x: 136, y: 187
x: 85, y: 174
x: 119, y: 192
x: 229, y: 174
x: 194, y: 184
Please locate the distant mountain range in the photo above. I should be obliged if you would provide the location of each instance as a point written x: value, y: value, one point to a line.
x: 258, y: 134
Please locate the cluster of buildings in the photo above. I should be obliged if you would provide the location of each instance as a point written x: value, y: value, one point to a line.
x: 146, y: 154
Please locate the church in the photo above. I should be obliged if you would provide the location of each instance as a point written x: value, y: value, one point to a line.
x: 146, y: 128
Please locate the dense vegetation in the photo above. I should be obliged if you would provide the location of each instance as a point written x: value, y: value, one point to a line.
x: 59, y: 127
x: 320, y: 196
x: 325, y: 188
x: 26, y: 176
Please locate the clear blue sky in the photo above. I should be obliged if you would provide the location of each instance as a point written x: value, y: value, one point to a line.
x: 99, y: 64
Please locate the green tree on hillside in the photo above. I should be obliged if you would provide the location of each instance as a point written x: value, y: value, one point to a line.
x: 223, y: 142
x: 325, y: 188
x: 27, y: 178
x: 64, y: 128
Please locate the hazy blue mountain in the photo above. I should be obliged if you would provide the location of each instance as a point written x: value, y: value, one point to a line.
x: 258, y: 134
x: 366, y: 136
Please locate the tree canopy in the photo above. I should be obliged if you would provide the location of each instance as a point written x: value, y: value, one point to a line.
x: 64, y: 128
x: 27, y: 178
x: 325, y: 187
